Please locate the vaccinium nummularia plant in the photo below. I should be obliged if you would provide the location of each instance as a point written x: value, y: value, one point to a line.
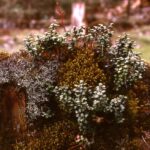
x: 50, y: 41
x: 84, y: 102
x: 128, y: 65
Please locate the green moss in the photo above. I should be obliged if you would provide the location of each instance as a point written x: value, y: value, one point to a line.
x: 133, y: 104
x: 58, y: 136
x: 81, y: 67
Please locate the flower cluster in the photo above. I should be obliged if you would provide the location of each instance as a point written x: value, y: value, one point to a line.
x: 74, y: 38
x: 101, y: 36
x: 76, y: 100
x: 99, y: 98
x: 84, y: 102
x: 128, y: 65
x: 98, y: 37
x: 117, y: 106
x: 50, y: 41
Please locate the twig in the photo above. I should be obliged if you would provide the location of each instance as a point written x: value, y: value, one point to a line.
x: 74, y: 147
x: 145, y: 142
x: 60, y: 13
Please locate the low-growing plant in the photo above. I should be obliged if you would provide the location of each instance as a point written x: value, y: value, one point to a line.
x: 44, y: 46
x: 19, y: 68
x: 85, y: 102
x: 128, y: 65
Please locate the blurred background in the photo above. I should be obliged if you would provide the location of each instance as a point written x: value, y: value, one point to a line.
x: 19, y: 18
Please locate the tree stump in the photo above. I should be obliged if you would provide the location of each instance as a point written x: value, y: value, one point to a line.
x: 12, y: 112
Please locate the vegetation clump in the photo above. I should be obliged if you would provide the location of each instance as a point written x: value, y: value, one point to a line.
x: 84, y: 73
x: 127, y: 64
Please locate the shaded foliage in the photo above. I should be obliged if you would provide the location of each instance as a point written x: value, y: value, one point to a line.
x: 59, y: 136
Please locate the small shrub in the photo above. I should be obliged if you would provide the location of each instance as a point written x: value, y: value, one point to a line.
x: 42, y: 47
x: 85, y: 102
x: 128, y: 65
